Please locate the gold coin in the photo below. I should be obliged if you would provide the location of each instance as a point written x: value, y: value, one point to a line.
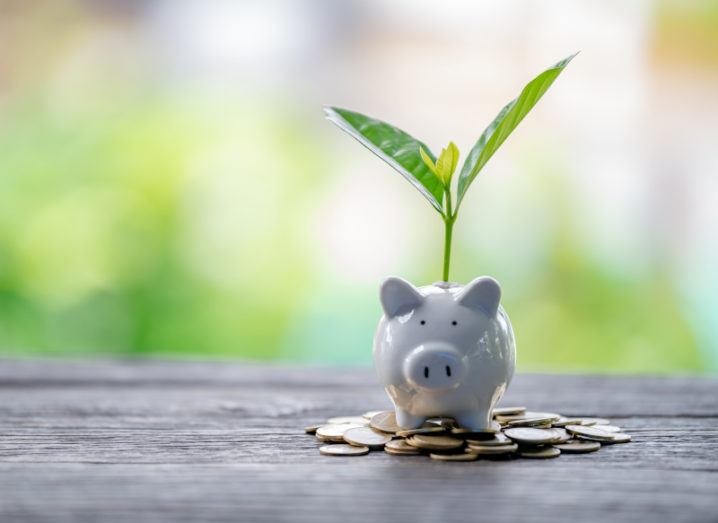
x: 578, y: 447
x: 311, y: 429
x: 428, y: 428
x: 495, y: 441
x: 385, y: 421
x: 347, y: 419
x: 508, y: 411
x: 366, y: 437
x: 342, y: 449
x: 454, y: 457
x: 590, y: 432
x: 594, y: 421
x: 539, y: 452
x: 425, y: 441
x: 498, y: 450
x: 334, y: 432
x: 371, y: 413
x: 531, y: 435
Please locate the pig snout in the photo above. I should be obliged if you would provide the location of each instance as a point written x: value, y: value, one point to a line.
x: 435, y: 366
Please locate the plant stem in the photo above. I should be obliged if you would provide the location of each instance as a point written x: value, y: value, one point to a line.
x: 449, y: 219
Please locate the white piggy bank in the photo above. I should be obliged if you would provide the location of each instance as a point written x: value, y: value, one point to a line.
x: 444, y: 350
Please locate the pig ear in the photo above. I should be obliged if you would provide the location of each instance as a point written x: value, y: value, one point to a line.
x: 482, y: 294
x: 398, y: 297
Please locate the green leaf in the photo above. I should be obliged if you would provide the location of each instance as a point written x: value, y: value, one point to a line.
x: 395, y: 147
x: 427, y: 160
x: 508, y: 118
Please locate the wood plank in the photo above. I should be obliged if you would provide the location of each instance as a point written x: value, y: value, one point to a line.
x: 625, y: 395
x: 343, y: 490
x: 188, y: 441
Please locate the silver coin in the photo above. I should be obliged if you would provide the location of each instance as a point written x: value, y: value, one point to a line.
x: 495, y: 441
x: 530, y: 422
x: 467, y: 433
x: 578, y: 447
x: 539, y: 452
x: 590, y: 432
x: 385, y: 421
x: 334, y: 432
x: 508, y: 411
x: 371, y: 413
x: 428, y: 428
x: 311, y: 429
x: 529, y: 414
x: 498, y: 450
x: 563, y: 421
x: 426, y: 441
x: 608, y: 428
x: 620, y: 437
x: 595, y: 421
x: 531, y: 435
x: 342, y: 449
x: 395, y: 452
x: 454, y: 457
x: 366, y: 437
x: 562, y: 436
x: 545, y: 427
x: 400, y: 446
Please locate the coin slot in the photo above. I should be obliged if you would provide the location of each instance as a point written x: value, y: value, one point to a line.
x: 448, y: 371
x: 426, y: 372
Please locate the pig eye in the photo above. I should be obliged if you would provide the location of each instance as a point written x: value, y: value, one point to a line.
x: 423, y: 322
x: 454, y: 322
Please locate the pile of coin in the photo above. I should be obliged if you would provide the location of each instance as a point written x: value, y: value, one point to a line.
x: 514, y: 432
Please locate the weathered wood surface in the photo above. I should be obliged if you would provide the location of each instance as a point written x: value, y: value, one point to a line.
x: 159, y: 441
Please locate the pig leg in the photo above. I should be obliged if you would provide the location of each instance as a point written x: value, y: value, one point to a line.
x: 408, y: 421
x: 473, y: 420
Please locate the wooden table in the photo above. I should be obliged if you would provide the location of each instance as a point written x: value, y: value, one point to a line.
x: 161, y: 441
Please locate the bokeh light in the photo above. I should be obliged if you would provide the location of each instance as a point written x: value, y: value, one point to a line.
x: 168, y: 185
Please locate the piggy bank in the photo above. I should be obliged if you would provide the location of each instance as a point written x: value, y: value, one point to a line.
x: 444, y: 350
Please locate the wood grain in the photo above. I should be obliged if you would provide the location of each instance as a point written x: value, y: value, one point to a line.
x: 188, y: 441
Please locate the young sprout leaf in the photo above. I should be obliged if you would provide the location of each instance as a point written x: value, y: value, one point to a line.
x: 395, y: 147
x: 446, y: 164
x: 508, y: 118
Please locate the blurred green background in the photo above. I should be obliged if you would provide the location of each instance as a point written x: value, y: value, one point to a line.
x: 168, y: 185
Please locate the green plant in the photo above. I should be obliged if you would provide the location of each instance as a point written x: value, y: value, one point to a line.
x: 431, y: 176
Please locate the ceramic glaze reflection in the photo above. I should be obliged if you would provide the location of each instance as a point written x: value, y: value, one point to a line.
x: 444, y: 350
